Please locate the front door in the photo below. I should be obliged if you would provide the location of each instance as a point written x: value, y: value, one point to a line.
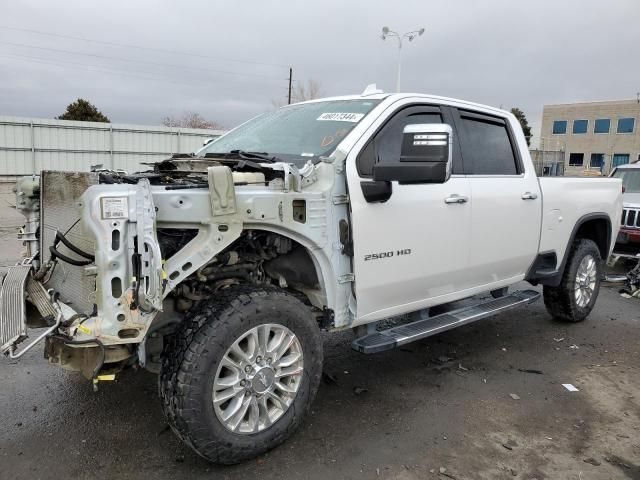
x: 413, y: 247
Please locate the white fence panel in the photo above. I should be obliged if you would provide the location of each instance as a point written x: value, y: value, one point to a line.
x: 28, y: 145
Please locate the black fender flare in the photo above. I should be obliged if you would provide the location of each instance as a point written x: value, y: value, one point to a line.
x: 554, y: 279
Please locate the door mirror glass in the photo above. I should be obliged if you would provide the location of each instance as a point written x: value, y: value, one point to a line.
x: 425, y: 156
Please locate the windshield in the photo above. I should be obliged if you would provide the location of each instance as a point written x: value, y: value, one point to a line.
x: 630, y: 179
x: 295, y: 133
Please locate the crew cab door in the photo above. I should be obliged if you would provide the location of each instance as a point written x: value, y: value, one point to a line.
x: 413, y: 246
x: 506, y: 203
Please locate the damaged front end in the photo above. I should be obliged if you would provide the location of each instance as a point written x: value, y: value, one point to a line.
x: 75, y: 228
x: 114, y: 261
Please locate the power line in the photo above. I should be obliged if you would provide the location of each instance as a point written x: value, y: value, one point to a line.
x: 138, y: 47
x: 93, y: 68
x: 120, y: 59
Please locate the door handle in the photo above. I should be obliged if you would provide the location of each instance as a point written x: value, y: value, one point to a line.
x: 529, y: 196
x: 455, y: 198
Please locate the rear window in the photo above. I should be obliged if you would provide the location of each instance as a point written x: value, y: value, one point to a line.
x: 487, y: 146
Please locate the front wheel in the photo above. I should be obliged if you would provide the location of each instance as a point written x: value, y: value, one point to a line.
x: 575, y: 297
x: 241, y: 373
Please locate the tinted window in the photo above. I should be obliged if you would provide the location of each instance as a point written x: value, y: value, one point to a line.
x: 619, y: 159
x: 625, y: 125
x: 487, y: 147
x: 559, y: 127
x: 387, y: 143
x: 580, y: 126
x: 597, y: 160
x: 576, y: 159
x: 602, y: 125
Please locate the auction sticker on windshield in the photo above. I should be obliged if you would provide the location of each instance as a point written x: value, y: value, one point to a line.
x: 341, y: 117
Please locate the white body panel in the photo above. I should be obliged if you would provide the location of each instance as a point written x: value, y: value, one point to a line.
x: 566, y: 200
x: 400, y: 280
x: 505, y: 228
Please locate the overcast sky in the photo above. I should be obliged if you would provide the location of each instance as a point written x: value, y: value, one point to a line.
x: 229, y: 60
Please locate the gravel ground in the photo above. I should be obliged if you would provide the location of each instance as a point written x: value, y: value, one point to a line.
x: 484, y: 401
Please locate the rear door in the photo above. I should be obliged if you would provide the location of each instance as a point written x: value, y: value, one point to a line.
x: 506, y: 205
x: 414, y: 246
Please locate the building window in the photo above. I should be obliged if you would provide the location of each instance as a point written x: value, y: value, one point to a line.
x: 576, y: 159
x: 602, y: 125
x: 619, y: 159
x: 559, y: 127
x: 626, y: 125
x: 597, y: 161
x: 580, y: 126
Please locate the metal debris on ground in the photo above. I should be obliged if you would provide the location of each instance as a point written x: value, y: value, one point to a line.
x: 510, y: 445
x: 360, y: 390
x: 559, y: 339
x: 531, y: 370
x: 570, y: 387
x: 443, y: 471
x: 514, y: 396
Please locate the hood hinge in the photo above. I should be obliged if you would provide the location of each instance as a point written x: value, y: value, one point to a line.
x: 340, y: 199
x: 349, y: 277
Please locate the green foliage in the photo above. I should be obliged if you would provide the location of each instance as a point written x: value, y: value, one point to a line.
x: 84, y: 111
x: 522, y: 118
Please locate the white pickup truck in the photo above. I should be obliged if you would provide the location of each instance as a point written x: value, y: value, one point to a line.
x: 218, y: 270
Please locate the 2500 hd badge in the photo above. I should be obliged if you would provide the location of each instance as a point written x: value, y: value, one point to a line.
x: 389, y: 254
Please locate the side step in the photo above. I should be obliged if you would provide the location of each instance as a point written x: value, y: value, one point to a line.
x: 410, y: 332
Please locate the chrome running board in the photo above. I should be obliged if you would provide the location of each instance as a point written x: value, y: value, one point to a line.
x: 410, y: 332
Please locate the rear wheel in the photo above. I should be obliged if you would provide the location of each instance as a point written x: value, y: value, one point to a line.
x: 241, y: 373
x: 575, y: 297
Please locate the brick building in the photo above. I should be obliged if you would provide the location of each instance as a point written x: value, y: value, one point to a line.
x: 593, y: 136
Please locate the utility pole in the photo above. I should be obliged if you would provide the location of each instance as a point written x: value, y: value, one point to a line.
x: 290, y: 82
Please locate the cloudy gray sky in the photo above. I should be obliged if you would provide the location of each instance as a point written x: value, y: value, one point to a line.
x: 141, y: 60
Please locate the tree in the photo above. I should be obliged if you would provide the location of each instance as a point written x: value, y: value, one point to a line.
x: 302, y: 91
x: 83, y: 111
x: 522, y: 118
x: 191, y: 120
x: 309, y: 91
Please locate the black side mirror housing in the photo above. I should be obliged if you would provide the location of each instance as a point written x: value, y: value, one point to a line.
x: 376, y: 191
x: 425, y: 156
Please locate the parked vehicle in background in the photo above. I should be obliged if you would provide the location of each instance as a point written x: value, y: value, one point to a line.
x: 218, y: 270
x: 628, y: 239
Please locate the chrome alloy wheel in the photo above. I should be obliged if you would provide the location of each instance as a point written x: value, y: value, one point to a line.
x: 258, y: 379
x: 585, y: 281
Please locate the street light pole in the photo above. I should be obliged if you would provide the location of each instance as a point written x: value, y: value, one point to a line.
x: 386, y: 33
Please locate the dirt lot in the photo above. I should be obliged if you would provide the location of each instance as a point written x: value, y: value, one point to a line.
x: 485, y: 401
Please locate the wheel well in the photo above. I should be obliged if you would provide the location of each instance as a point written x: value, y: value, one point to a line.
x: 598, y: 230
x: 257, y: 257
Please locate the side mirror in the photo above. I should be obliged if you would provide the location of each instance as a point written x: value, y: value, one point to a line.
x: 425, y: 156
